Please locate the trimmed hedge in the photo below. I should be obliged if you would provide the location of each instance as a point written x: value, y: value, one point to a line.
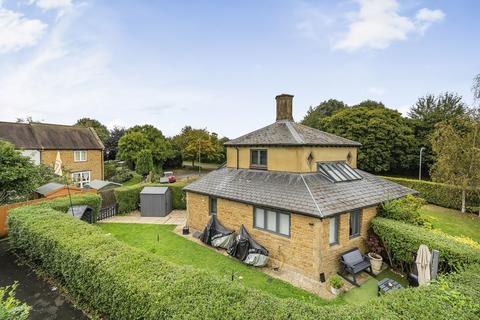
x: 128, y: 198
x: 402, y: 240
x: 112, y: 279
x: 440, y: 194
x: 10, y: 307
x: 62, y: 204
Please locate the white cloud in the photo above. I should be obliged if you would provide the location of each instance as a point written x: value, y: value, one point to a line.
x: 53, y: 4
x: 313, y: 21
x: 18, y: 32
x: 378, y: 24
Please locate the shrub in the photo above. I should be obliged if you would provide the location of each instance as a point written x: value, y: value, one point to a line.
x: 62, y: 204
x: 128, y: 198
x: 440, y: 194
x: 121, y: 282
x: 122, y: 174
x: 10, y: 307
x: 401, y: 241
x: 336, y: 282
x: 406, y: 209
x: 144, y: 162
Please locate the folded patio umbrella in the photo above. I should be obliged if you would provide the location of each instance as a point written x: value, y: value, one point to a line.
x: 58, y: 165
x: 423, y: 264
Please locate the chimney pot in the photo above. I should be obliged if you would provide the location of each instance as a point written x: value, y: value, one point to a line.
x: 284, y: 107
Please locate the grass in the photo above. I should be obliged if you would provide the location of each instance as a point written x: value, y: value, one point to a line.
x: 368, y: 290
x: 453, y: 222
x: 181, y: 251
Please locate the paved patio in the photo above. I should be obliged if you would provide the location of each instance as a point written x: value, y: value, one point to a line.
x: 176, y: 217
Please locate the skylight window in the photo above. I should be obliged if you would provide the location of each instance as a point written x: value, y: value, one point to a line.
x: 338, y: 171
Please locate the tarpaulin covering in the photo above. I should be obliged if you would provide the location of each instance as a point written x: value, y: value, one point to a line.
x: 217, y: 235
x: 248, y: 250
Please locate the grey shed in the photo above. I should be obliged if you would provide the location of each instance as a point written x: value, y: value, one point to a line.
x: 155, y: 201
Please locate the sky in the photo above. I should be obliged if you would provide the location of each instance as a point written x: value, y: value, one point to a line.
x: 219, y: 64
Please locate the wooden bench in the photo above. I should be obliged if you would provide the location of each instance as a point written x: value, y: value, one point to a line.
x: 353, y: 262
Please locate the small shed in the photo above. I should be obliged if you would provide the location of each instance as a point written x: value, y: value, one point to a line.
x: 155, y: 201
x: 102, y: 185
x: 54, y: 189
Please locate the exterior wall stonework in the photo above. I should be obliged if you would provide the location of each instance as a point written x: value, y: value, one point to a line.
x: 292, y: 159
x: 94, y: 162
x: 306, y: 251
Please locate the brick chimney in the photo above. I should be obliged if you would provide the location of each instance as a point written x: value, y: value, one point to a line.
x: 284, y: 107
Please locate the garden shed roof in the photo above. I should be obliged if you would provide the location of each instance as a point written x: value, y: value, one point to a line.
x: 305, y: 193
x: 290, y: 133
x: 100, y: 184
x: 43, y: 136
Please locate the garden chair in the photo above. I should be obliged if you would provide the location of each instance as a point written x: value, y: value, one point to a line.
x: 353, y: 262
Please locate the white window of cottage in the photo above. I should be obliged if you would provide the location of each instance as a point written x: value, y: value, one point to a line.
x: 79, y: 155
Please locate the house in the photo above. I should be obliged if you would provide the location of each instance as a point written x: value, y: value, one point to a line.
x: 298, y: 192
x: 80, y: 149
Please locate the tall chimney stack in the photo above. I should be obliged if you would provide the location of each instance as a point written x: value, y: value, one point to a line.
x: 284, y: 107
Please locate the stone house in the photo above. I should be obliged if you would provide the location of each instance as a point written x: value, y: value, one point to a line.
x: 80, y: 149
x: 298, y: 192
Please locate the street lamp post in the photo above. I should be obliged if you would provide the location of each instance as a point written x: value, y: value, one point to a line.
x: 420, y: 164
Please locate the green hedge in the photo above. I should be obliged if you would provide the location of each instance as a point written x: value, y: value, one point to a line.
x: 10, y: 307
x: 62, y: 204
x: 112, y: 279
x: 128, y: 198
x: 402, y: 241
x: 440, y: 194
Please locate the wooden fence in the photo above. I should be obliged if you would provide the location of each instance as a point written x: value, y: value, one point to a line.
x: 4, y: 209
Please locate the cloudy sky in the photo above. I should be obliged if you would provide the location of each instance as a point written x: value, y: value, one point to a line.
x: 219, y: 64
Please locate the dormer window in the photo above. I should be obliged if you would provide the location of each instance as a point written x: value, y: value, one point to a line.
x: 338, y: 171
x: 258, y: 158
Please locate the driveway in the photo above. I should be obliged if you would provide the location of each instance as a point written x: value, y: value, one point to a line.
x: 46, y: 301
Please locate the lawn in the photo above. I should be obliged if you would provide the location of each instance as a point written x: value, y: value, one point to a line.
x: 453, y: 222
x: 160, y: 240
x: 368, y: 290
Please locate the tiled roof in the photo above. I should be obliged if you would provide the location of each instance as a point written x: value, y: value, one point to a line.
x: 49, y: 136
x: 307, y: 193
x: 289, y: 133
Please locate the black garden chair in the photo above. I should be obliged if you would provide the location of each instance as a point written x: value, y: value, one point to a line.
x: 353, y: 262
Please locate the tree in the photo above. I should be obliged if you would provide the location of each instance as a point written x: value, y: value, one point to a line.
x: 430, y: 110
x: 144, y: 162
x: 195, y: 142
x: 130, y: 145
x: 111, y: 145
x: 19, y: 176
x: 159, y: 146
x: 388, y: 143
x: 476, y: 88
x: 457, y: 151
x: 369, y: 104
x: 100, y: 129
x: 325, y: 109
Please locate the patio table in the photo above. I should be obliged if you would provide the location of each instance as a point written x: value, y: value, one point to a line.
x: 387, y: 285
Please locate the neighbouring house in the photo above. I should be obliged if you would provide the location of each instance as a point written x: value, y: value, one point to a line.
x: 80, y: 149
x: 298, y: 192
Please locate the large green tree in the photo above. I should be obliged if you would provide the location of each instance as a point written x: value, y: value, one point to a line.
x: 195, y: 143
x: 457, y: 153
x: 429, y: 111
x: 100, y: 129
x: 388, y: 143
x: 111, y: 145
x: 19, y: 176
x: 314, y: 115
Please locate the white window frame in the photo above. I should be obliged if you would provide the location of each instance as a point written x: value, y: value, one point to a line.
x: 77, y: 155
x: 277, y: 222
x: 81, y: 182
x: 334, y: 220
x: 359, y: 224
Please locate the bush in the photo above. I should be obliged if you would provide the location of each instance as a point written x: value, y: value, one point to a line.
x: 440, y: 194
x: 128, y: 198
x: 406, y: 209
x: 62, y: 204
x: 401, y: 241
x: 110, y: 169
x: 117, y: 281
x: 336, y: 281
x: 10, y: 307
x: 144, y: 162
x: 122, y: 174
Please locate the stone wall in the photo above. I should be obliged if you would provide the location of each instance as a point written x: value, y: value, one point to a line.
x: 306, y: 251
x: 94, y: 162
